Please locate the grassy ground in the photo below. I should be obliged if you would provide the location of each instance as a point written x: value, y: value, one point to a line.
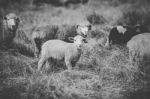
x: 100, y: 73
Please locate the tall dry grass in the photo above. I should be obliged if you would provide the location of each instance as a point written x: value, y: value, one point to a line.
x: 100, y: 73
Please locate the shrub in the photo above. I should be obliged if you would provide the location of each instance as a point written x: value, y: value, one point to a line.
x: 135, y: 17
x: 59, y: 2
x: 95, y: 19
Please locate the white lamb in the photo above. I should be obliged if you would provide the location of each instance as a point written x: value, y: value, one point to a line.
x: 60, y: 50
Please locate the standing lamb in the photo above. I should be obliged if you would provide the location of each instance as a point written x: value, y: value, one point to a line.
x: 45, y: 33
x: 8, y: 29
x: 60, y: 50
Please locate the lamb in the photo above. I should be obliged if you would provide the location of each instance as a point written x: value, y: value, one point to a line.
x: 60, y: 50
x: 45, y: 33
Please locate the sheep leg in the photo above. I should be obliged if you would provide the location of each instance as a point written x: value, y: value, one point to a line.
x: 107, y: 42
x: 36, y: 54
x: 48, y: 64
x: 37, y: 44
x: 68, y: 64
x: 41, y: 62
x: 35, y: 49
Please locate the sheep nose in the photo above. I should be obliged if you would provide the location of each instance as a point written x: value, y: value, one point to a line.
x: 13, y: 26
x: 79, y: 46
x: 85, y: 34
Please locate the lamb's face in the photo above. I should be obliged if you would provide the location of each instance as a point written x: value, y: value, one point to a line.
x: 83, y: 30
x: 79, y: 41
x: 12, y: 21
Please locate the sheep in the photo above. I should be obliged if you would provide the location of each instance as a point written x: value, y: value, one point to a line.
x: 66, y: 31
x: 83, y: 30
x: 122, y: 34
x: 9, y: 27
x: 139, y: 46
x: 41, y: 35
x: 44, y: 33
x: 60, y: 50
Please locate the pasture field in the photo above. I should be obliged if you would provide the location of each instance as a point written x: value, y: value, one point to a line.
x: 101, y: 73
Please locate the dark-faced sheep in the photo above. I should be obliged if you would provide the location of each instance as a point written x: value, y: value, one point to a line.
x: 122, y: 34
x: 42, y: 34
x: 8, y: 29
x: 60, y: 50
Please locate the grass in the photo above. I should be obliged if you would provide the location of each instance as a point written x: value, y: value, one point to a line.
x: 101, y: 73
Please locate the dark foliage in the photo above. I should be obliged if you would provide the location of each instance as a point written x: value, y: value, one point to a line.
x: 95, y: 19
x: 59, y: 2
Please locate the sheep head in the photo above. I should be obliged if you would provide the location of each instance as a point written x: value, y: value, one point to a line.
x: 12, y: 21
x: 83, y: 30
x: 78, y: 41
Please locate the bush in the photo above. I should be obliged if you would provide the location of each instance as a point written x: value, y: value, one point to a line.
x: 135, y: 17
x: 95, y: 19
x: 59, y: 2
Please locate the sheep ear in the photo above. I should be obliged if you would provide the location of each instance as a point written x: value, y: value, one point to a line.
x: 18, y: 19
x: 5, y: 18
x: 77, y: 26
x: 85, y: 41
x: 71, y: 39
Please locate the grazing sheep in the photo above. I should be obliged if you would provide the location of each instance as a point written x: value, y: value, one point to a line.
x: 139, y: 46
x: 60, y: 50
x: 8, y: 29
